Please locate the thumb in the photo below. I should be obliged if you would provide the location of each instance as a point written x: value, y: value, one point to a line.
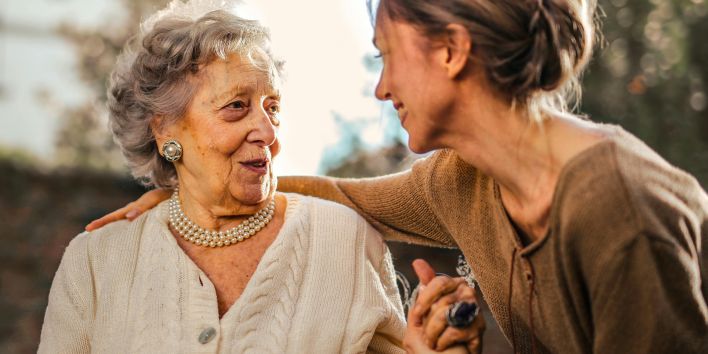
x: 424, y: 271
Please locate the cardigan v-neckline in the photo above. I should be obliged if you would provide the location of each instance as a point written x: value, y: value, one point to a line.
x: 268, y: 255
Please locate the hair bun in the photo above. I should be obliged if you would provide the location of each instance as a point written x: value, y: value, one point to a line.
x: 553, y: 53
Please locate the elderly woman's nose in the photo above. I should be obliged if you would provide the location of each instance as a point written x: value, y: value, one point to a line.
x: 263, y: 132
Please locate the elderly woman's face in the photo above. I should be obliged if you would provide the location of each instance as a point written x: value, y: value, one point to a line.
x: 229, y: 134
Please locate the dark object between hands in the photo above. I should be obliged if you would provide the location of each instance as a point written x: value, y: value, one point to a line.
x: 462, y: 314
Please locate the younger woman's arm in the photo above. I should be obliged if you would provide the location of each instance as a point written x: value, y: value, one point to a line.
x: 397, y: 205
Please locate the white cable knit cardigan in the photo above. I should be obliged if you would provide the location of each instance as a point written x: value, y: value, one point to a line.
x: 325, y: 285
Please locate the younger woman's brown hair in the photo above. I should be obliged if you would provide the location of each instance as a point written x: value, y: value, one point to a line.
x: 532, y: 51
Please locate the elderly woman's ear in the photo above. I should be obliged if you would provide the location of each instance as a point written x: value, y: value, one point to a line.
x: 158, y: 129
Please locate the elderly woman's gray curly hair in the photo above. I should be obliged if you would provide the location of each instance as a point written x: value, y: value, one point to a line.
x: 151, y: 77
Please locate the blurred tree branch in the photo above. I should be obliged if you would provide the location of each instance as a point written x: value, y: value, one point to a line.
x: 83, y: 139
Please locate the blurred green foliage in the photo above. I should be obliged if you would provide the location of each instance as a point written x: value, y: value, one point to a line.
x: 83, y: 139
x: 18, y: 156
x: 650, y: 76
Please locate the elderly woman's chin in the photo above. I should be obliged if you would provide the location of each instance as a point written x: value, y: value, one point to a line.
x: 252, y: 188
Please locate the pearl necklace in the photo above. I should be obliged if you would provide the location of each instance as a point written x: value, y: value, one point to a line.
x: 195, y: 234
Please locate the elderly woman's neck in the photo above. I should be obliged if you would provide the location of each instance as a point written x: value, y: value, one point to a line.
x: 216, y: 213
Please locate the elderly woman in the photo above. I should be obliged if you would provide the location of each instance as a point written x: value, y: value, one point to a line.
x: 226, y: 264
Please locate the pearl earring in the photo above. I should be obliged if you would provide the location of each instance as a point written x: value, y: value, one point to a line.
x: 172, y: 150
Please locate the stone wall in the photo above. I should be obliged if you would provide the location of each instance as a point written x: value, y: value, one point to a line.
x: 39, y: 214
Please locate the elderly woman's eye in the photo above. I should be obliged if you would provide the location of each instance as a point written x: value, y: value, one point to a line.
x: 274, y: 109
x: 237, y: 105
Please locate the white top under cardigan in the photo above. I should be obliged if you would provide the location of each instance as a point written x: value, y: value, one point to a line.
x: 325, y: 285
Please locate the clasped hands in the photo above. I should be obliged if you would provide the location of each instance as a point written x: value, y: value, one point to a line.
x: 429, y: 330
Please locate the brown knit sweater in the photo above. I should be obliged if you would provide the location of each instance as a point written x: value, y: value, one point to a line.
x: 622, y: 269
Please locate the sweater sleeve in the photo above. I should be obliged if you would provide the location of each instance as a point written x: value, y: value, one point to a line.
x: 649, y: 300
x: 66, y: 327
x: 389, y: 333
x: 398, y: 205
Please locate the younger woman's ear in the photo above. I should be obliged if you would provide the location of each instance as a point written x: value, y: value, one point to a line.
x: 458, y: 43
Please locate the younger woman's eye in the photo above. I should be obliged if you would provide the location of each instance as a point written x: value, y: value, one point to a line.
x: 378, y: 55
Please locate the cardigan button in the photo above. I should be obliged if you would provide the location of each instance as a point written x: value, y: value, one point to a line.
x: 207, y: 335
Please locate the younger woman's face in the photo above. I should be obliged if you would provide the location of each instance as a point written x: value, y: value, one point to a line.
x: 413, y: 81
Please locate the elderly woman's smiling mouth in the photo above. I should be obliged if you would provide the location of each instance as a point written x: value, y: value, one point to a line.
x: 258, y: 165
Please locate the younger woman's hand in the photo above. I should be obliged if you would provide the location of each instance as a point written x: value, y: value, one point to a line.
x: 414, y: 342
x: 427, y: 318
x: 132, y: 210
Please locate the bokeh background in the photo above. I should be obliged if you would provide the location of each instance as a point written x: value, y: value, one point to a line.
x: 59, y: 168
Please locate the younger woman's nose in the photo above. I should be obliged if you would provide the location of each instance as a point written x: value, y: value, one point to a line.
x: 381, y: 91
